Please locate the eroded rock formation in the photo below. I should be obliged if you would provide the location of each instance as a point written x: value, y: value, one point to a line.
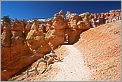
x: 21, y: 40
x: 36, y: 41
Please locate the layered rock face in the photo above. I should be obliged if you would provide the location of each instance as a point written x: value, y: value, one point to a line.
x: 21, y: 40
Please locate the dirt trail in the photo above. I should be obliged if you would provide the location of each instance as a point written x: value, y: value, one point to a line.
x: 72, y: 67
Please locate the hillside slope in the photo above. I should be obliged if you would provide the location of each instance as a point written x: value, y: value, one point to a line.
x: 101, y: 50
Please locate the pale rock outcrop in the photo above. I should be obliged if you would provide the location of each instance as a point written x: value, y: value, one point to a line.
x: 35, y: 25
x: 56, y: 37
x: 27, y: 28
x: 49, y: 24
x: 13, y: 48
x: 36, y: 41
x: 59, y: 22
x: 57, y: 34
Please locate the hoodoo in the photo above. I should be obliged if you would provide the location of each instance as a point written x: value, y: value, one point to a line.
x: 24, y: 42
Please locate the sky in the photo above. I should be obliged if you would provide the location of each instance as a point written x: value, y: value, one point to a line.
x: 46, y: 9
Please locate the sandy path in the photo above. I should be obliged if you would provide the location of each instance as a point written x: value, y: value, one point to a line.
x: 72, y: 67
